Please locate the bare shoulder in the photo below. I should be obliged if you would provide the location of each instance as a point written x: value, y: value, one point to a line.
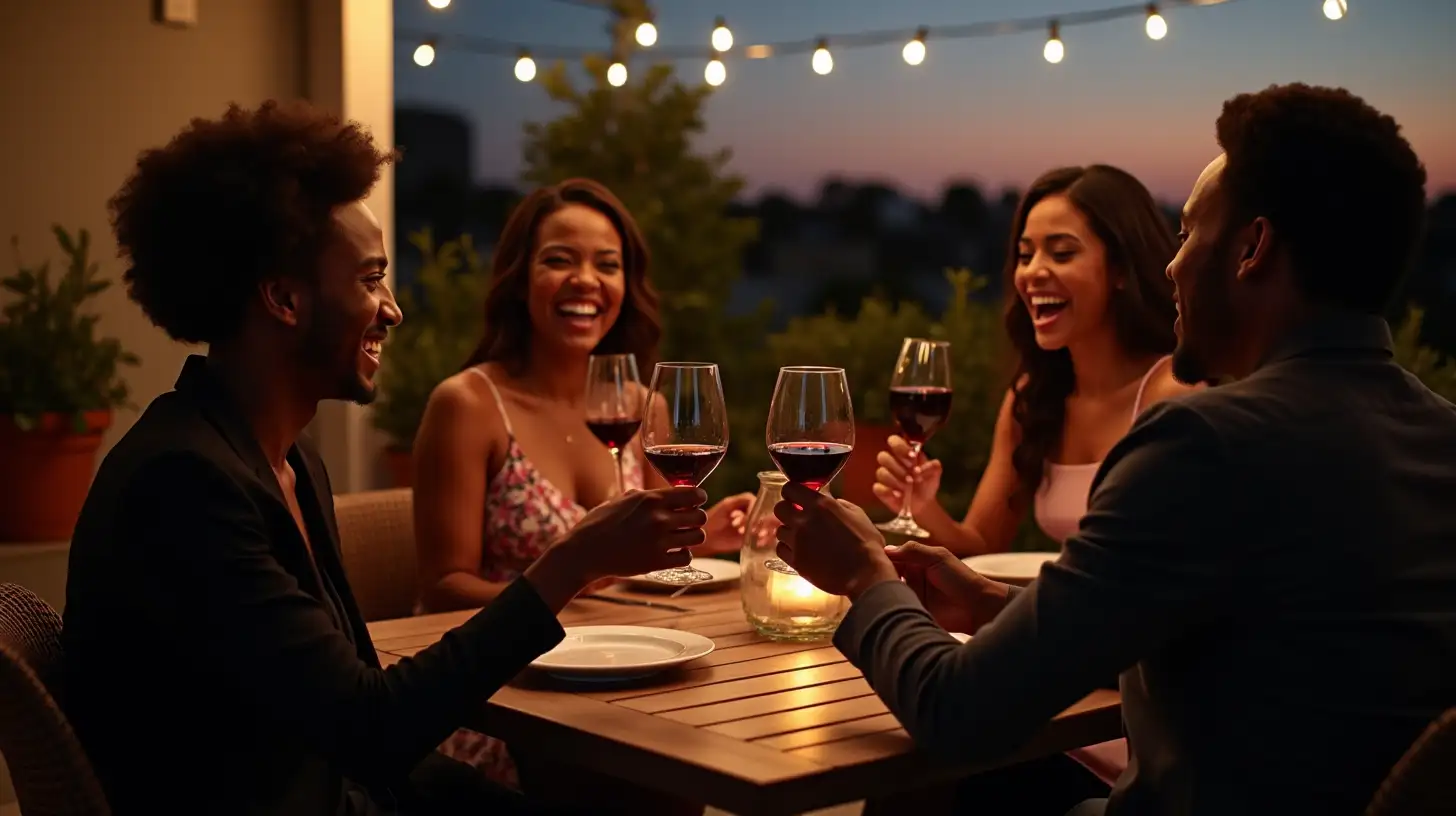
x: 1164, y: 386
x: 463, y: 408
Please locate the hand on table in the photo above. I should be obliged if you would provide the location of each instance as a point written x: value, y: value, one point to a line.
x: 898, y: 471
x: 831, y: 542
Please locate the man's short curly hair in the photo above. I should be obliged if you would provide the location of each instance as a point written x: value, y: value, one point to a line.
x: 1334, y: 176
x: 228, y: 203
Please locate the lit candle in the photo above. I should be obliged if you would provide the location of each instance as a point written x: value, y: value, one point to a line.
x: 798, y: 600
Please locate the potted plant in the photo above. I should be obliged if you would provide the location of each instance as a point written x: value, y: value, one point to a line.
x: 58, y: 387
x: 444, y: 312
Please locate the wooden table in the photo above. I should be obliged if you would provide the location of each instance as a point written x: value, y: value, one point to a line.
x: 755, y: 727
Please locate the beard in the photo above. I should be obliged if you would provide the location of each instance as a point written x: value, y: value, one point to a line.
x: 331, y: 350
x: 1205, y: 340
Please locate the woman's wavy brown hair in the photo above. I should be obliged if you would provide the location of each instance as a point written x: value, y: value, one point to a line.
x: 508, y: 330
x: 1140, y: 243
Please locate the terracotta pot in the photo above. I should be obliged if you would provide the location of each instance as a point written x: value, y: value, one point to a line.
x: 400, y: 466
x: 45, y: 475
x: 858, y: 477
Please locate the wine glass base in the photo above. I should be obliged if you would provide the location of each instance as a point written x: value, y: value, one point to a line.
x: 680, y: 576
x: 905, y: 528
x: 779, y: 565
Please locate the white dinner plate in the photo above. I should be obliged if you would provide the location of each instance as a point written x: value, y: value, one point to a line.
x: 724, y: 573
x: 620, y: 652
x: 1020, y: 568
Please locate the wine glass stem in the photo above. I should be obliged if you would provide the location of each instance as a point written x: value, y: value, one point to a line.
x: 905, y: 513
x: 617, y: 460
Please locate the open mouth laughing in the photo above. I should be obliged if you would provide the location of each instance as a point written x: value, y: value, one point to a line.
x: 1045, y: 309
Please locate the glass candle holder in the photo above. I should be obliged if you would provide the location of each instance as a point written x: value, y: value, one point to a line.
x: 780, y: 606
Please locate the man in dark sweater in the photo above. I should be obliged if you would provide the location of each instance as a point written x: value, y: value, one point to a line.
x: 216, y: 661
x: 1270, y: 564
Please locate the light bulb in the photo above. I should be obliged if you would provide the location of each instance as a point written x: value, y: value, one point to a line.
x: 525, y: 68
x: 722, y: 38
x: 439, y: 4
x: 1054, y: 51
x: 914, y: 51
x: 1157, y: 27
x: 646, y: 35
x: 617, y: 75
x: 1335, y: 9
x: 424, y: 55
x: 822, y: 62
x: 715, y: 73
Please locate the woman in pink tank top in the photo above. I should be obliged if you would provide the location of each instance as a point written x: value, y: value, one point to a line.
x: 1090, y: 313
x: 504, y: 462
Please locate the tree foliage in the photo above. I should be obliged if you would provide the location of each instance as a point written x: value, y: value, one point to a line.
x: 639, y: 141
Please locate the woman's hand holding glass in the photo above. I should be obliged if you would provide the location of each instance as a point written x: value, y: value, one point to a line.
x: 890, y: 477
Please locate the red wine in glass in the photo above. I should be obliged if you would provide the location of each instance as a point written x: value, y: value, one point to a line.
x: 920, y: 397
x: 685, y: 465
x: 810, y: 431
x: 684, y: 437
x: 613, y: 403
x: 920, y: 410
x: 616, y: 432
x: 811, y: 464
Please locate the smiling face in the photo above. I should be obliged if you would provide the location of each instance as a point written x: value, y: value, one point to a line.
x: 351, y: 308
x: 1203, y: 274
x: 1061, y: 273
x: 576, y: 280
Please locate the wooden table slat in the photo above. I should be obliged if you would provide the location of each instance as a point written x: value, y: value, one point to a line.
x: 831, y: 733
x: 801, y: 718
x: 739, y: 689
x: 771, y: 703
x: 694, y: 678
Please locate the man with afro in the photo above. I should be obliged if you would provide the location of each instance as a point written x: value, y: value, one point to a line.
x: 209, y: 531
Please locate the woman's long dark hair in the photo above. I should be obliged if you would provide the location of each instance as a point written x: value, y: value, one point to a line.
x: 1140, y: 243
x: 508, y: 330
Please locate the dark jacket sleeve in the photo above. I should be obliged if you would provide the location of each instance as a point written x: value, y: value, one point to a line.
x: 275, y: 648
x: 1151, y: 559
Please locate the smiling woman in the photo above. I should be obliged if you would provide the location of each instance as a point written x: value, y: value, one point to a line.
x: 505, y: 463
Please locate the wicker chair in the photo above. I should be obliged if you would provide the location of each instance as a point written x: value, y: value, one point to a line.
x: 377, y: 535
x: 52, y: 775
x: 1423, y: 782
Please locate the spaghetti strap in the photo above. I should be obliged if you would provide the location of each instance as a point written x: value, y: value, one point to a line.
x: 1137, y: 403
x: 499, y: 403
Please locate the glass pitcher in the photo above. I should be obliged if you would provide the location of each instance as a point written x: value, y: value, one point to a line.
x: 782, y: 607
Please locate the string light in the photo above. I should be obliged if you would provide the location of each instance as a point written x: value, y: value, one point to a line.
x: 525, y: 67
x: 617, y: 75
x: 646, y: 34
x: 715, y: 72
x: 1335, y: 9
x: 1157, y: 27
x: 914, y: 51
x: 1053, y: 51
x: 822, y: 62
x: 722, y: 38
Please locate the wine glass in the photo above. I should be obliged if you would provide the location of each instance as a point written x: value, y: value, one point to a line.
x: 684, y: 436
x: 920, y: 397
x: 613, y: 403
x: 810, y: 429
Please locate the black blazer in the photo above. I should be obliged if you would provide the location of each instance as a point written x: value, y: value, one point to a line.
x: 208, y: 666
x: 1269, y: 564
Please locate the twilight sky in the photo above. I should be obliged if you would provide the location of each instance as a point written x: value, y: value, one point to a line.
x: 987, y: 109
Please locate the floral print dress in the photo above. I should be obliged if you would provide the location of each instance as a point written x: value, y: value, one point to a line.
x: 524, y: 513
